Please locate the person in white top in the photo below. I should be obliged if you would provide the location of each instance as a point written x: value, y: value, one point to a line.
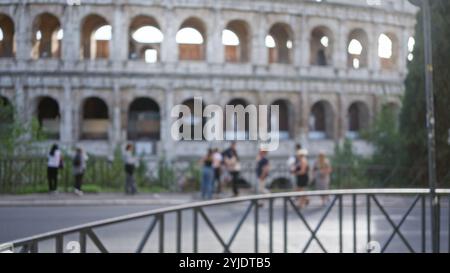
x: 54, y: 163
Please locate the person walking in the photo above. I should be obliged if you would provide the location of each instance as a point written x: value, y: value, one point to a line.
x: 301, y: 170
x: 79, y: 167
x: 130, y: 166
x: 54, y: 163
x: 217, y: 166
x: 207, y: 183
x: 322, y: 173
x: 262, y: 171
x: 233, y: 166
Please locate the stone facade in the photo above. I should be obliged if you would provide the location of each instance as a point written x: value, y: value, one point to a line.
x: 117, y: 80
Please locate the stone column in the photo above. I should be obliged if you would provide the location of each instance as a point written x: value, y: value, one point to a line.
x: 21, y: 111
x: 119, y: 42
x: 116, y: 136
x: 302, y: 47
x: 23, y: 33
x: 214, y: 47
x: 66, y: 128
x: 403, y: 51
x: 169, y: 47
x: 374, y: 59
x: 260, y: 52
x: 168, y: 144
x: 71, y: 40
x: 340, y: 47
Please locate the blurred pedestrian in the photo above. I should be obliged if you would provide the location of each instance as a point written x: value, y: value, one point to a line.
x: 79, y: 167
x: 54, y: 163
x: 262, y: 171
x: 207, y: 183
x: 301, y: 170
x: 233, y: 166
x: 217, y: 166
x: 130, y: 166
x: 322, y: 173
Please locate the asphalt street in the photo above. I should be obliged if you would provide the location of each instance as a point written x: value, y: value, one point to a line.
x: 23, y: 221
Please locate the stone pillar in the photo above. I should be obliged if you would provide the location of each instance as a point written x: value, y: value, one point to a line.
x: 374, y: 59
x: 260, y: 55
x: 214, y: 47
x: 403, y: 51
x: 119, y: 42
x: 23, y: 33
x: 21, y: 111
x: 340, y: 48
x: 66, y: 128
x: 168, y: 143
x: 302, y: 48
x: 342, y: 114
x: 169, y: 47
x: 116, y: 135
x: 71, y: 40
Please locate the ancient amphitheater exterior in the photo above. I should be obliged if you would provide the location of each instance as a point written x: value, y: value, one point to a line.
x: 100, y: 92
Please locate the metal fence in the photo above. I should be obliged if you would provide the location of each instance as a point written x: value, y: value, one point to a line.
x: 277, y: 226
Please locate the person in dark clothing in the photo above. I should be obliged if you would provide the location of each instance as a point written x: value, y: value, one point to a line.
x: 262, y: 171
x: 207, y: 176
x: 233, y: 166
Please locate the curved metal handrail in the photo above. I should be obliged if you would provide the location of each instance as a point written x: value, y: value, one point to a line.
x: 194, y: 205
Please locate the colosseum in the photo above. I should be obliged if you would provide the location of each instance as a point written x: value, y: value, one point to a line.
x: 101, y: 73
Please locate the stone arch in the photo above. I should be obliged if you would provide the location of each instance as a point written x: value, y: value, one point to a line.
x: 48, y: 115
x: 7, y: 44
x: 358, y: 116
x: 241, y: 52
x: 195, y: 118
x: 321, y: 120
x: 358, y: 49
x: 92, y: 46
x: 284, y: 122
x: 94, y: 119
x: 279, y: 42
x: 388, y: 50
x: 145, y: 38
x: 144, y: 120
x: 192, y: 38
x: 46, y: 37
x: 231, y: 121
x: 321, y: 46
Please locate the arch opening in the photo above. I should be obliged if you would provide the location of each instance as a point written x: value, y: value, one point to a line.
x: 95, y: 119
x: 358, y: 119
x: 321, y: 121
x: 95, y: 38
x: 191, y: 40
x: 144, y: 120
x: 7, y: 44
x: 145, y: 40
x: 357, y: 50
x: 47, y: 37
x: 279, y: 43
x: 235, y: 38
x: 321, y: 44
x: 48, y: 116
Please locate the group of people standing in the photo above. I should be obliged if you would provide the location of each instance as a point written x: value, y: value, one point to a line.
x: 222, y: 166
x: 55, y: 163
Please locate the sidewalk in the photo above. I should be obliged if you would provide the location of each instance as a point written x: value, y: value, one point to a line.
x: 70, y: 199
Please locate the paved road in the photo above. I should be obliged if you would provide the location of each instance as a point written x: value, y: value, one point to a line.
x: 24, y: 221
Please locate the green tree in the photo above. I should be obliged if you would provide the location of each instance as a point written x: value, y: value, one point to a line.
x: 412, y: 120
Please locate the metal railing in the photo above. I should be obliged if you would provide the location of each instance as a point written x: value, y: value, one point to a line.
x: 350, y: 229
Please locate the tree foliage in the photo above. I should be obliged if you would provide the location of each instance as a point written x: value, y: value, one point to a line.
x: 413, y: 115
